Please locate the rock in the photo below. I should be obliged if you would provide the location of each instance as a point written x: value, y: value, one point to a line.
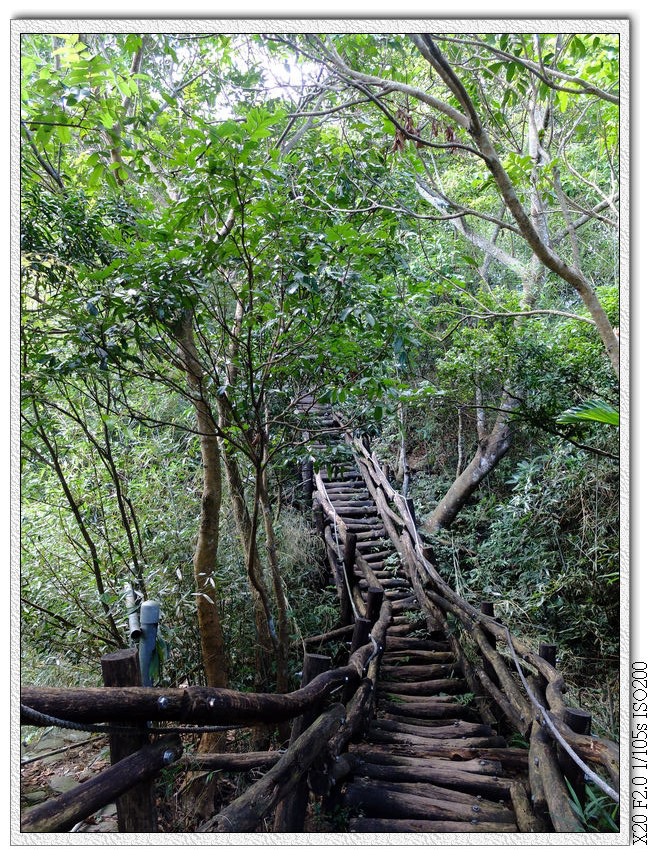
x: 62, y: 783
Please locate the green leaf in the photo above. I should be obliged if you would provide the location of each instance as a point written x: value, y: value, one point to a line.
x: 596, y: 410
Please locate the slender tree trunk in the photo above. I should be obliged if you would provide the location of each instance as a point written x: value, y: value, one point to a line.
x: 205, y: 556
x: 282, y: 672
x: 264, y: 647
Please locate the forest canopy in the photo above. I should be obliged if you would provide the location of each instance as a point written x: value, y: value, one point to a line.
x: 421, y: 230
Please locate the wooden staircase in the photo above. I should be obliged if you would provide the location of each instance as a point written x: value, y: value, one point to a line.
x: 428, y: 762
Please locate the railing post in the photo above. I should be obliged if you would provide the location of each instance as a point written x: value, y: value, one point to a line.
x: 362, y: 628
x: 307, y: 470
x: 487, y: 608
x: 136, y: 810
x: 375, y: 598
x: 580, y: 722
x: 347, y: 614
x: 349, y: 552
x: 290, y: 813
x: 319, y: 518
x: 548, y: 651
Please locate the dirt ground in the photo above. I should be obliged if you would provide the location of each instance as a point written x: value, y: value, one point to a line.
x: 46, y: 771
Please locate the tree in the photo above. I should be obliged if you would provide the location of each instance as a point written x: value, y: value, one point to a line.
x: 506, y: 118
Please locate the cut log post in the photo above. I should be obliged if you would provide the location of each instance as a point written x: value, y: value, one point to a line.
x: 580, y: 722
x: 347, y: 613
x: 349, y: 550
x: 290, y: 813
x: 360, y: 634
x: 375, y: 598
x: 319, y: 518
x: 487, y: 608
x: 136, y: 810
x: 307, y: 468
x: 64, y: 812
x: 548, y: 651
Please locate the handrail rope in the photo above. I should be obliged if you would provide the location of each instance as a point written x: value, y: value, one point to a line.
x: 51, y: 721
x: 547, y: 721
x: 341, y: 561
x: 597, y: 780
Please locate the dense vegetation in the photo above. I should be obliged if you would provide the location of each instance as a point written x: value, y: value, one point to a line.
x: 422, y: 231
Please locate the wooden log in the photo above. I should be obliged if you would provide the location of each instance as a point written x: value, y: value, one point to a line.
x: 395, y: 661
x: 409, y: 644
x: 522, y: 708
x: 290, y: 813
x: 424, y: 689
x: 451, y: 775
x: 65, y: 811
x: 441, y: 714
x: 486, y: 686
x: 374, y: 601
x: 194, y: 705
x: 378, y: 825
x: 357, y: 711
x: 433, y: 743
x: 444, y: 731
x: 427, y: 711
x: 527, y: 820
x: 433, y: 699
x: 342, y: 634
x: 371, y: 754
x: 418, y: 673
x: 488, y: 808
x: 459, y: 749
x: 549, y: 793
x: 230, y: 762
x: 487, y: 608
x: 400, y: 656
x: 580, y: 722
x: 244, y: 814
x: 376, y: 800
x: 360, y: 634
x: 136, y: 809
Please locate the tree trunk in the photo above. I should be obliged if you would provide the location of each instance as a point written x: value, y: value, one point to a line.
x: 282, y: 672
x: 491, y: 449
x: 211, y: 636
x: 264, y: 647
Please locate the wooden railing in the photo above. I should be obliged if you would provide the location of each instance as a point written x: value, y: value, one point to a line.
x: 508, y: 678
x: 320, y: 734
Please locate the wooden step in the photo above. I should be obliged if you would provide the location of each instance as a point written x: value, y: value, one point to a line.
x: 379, y: 756
x: 454, y: 729
x: 419, y: 672
x: 381, y: 801
x: 425, y: 711
x: 378, y: 825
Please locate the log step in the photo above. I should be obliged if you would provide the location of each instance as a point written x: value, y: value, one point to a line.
x: 380, y: 825
x: 381, y: 800
x: 373, y: 755
x: 417, y: 712
x: 424, y: 689
x: 418, y: 673
x: 455, y: 729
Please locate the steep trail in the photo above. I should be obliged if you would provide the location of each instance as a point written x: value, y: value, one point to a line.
x: 428, y: 762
